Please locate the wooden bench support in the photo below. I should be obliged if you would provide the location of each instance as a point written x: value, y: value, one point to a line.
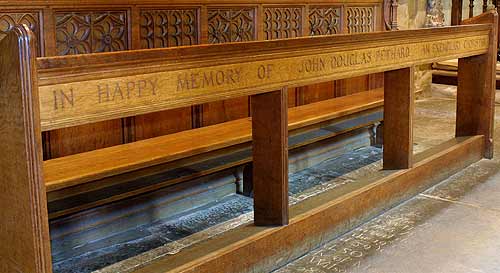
x: 24, y: 229
x: 398, y: 115
x: 476, y: 89
x: 270, y: 157
x: 319, y: 218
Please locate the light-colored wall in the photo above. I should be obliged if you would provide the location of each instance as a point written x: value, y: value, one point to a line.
x: 478, y: 9
x: 411, y: 13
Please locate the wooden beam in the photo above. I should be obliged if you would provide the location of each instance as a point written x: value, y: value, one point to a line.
x: 476, y: 89
x: 270, y: 157
x: 82, y: 89
x: 24, y: 231
x: 398, y: 118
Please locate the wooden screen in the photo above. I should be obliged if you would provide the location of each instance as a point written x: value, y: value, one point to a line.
x: 64, y: 27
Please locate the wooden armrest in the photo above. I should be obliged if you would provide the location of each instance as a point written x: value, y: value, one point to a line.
x: 85, y: 167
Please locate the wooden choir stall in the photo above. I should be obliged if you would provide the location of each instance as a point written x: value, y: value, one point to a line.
x: 82, y: 131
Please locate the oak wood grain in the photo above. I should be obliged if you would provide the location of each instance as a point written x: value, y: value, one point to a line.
x: 399, y: 104
x: 24, y: 231
x: 270, y: 158
x: 81, y: 168
x: 88, y: 88
x: 476, y: 88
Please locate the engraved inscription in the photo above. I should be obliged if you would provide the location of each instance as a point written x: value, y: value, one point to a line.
x: 188, y: 81
x: 183, y: 87
x: 119, y: 91
x: 63, y: 99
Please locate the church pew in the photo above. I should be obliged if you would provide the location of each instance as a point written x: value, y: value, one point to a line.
x: 50, y: 93
x: 87, y: 172
x: 64, y: 27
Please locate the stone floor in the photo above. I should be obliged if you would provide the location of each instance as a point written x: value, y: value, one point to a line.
x: 452, y: 227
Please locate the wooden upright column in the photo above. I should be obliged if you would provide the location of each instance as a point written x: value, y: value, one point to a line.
x: 270, y: 158
x: 398, y: 116
x: 24, y: 231
x: 456, y: 12
x: 476, y: 89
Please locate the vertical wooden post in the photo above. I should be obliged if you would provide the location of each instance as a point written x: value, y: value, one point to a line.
x: 471, y: 8
x: 270, y: 158
x: 456, y: 12
x: 476, y: 89
x: 398, y: 118
x: 24, y: 228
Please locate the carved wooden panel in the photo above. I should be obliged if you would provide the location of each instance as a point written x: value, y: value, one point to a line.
x: 231, y: 25
x: 161, y: 28
x: 167, y: 28
x: 282, y: 22
x: 324, y: 20
x: 91, y: 32
x: 9, y: 20
x: 360, y: 19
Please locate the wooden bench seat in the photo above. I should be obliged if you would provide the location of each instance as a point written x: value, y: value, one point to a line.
x: 85, y: 167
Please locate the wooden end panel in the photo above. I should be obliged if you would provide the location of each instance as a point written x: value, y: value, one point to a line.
x: 476, y: 88
x: 270, y: 157
x: 24, y: 231
x: 399, y: 100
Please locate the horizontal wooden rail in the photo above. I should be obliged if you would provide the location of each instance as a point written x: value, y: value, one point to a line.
x: 81, y: 89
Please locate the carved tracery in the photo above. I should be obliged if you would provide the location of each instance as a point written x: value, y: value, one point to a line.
x: 231, y: 25
x: 90, y: 32
x: 167, y: 28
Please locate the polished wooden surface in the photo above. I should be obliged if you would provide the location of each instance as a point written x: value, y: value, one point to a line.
x: 476, y: 86
x: 64, y: 27
x: 82, y: 89
x: 270, y: 158
x: 82, y: 168
x: 399, y: 105
x: 24, y: 230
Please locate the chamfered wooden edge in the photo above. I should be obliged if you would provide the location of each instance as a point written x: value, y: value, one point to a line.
x: 320, y: 217
x: 24, y: 232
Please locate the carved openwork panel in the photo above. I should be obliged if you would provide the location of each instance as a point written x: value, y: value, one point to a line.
x: 324, y: 20
x: 9, y: 20
x: 360, y: 19
x: 167, y: 28
x: 231, y: 25
x: 91, y: 32
x: 282, y: 23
